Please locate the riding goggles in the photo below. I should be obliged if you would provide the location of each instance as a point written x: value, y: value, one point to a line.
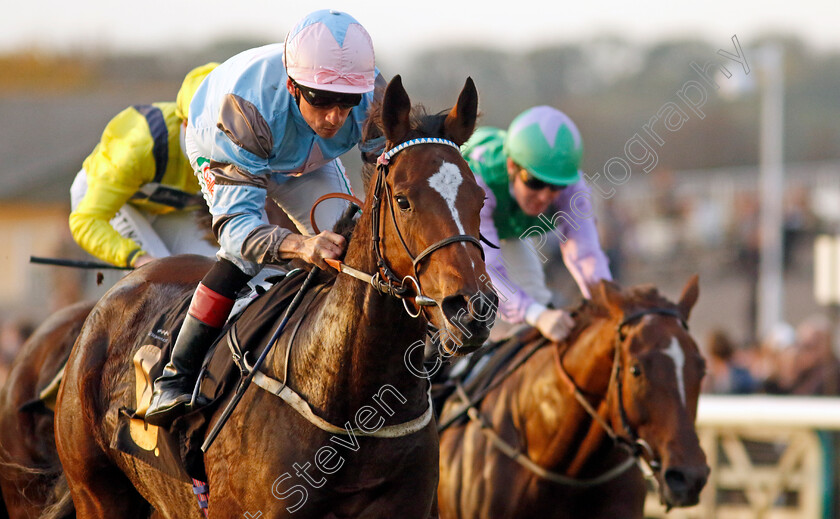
x: 535, y: 184
x: 326, y: 99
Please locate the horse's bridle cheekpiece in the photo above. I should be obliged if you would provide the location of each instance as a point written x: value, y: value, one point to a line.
x: 385, y: 280
x: 630, y: 440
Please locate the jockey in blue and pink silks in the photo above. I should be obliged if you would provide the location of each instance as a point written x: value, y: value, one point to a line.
x: 530, y: 175
x: 270, y: 121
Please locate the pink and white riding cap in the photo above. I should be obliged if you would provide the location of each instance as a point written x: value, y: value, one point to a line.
x: 330, y: 50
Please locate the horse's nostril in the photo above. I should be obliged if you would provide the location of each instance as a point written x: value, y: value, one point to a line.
x: 455, y: 307
x: 471, y: 314
x: 676, y: 481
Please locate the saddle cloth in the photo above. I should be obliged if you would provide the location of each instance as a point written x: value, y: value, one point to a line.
x: 478, y: 370
x: 176, y: 451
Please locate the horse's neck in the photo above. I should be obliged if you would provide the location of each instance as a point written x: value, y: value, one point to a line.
x: 352, y: 346
x: 560, y: 434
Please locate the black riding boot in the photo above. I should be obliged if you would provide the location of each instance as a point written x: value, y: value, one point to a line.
x: 174, y: 388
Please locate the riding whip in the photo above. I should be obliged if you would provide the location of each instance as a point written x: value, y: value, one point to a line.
x: 75, y: 263
x: 245, y: 382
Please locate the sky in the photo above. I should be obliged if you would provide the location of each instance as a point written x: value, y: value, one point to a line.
x: 407, y: 27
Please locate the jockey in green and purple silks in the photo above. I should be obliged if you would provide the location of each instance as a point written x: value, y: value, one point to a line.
x: 530, y: 175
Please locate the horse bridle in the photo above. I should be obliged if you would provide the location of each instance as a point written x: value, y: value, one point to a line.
x: 385, y: 280
x: 630, y: 440
x: 636, y: 446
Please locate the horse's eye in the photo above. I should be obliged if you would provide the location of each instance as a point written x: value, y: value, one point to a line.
x: 635, y: 370
x: 403, y: 203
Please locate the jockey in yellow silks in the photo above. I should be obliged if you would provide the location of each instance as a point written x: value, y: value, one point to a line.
x: 135, y: 196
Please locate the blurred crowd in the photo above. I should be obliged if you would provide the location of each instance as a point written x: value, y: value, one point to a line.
x: 713, y: 217
x: 789, y: 361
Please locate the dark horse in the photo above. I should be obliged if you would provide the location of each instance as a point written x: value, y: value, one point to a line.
x: 29, y: 467
x: 631, y: 360
x: 347, y: 356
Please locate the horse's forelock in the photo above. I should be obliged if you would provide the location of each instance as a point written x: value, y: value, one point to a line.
x: 646, y: 296
x: 422, y: 125
x: 633, y: 299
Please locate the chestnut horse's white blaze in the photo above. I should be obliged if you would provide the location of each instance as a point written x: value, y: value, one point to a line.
x: 676, y: 353
x: 446, y: 182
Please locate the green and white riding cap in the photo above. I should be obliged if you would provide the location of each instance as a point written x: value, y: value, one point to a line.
x: 545, y: 142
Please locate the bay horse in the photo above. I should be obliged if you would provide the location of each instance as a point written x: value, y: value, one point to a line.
x: 29, y: 465
x: 418, y: 236
x: 572, y: 416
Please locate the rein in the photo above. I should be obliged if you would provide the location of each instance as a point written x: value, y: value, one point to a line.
x: 477, y: 399
x: 637, y: 448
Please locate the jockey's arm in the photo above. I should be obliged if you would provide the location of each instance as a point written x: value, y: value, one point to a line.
x: 120, y: 164
x: 513, y: 301
x: 582, y: 252
x: 516, y: 306
x: 243, y: 232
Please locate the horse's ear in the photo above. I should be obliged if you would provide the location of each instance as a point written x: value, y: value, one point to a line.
x: 610, y: 294
x: 689, y: 296
x: 396, y: 107
x: 460, y: 122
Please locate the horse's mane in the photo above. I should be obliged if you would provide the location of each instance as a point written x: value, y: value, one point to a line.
x: 347, y: 224
x: 633, y: 299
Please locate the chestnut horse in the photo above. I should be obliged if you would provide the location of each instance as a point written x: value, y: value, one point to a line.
x: 631, y: 361
x: 29, y: 466
x: 418, y: 233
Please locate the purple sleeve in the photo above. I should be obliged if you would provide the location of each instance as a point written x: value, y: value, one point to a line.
x: 513, y: 301
x: 581, y: 251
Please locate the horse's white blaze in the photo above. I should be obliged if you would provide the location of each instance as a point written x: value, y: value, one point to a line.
x: 676, y: 353
x: 446, y: 182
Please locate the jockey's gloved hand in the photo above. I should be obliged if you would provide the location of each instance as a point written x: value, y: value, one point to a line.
x: 553, y: 324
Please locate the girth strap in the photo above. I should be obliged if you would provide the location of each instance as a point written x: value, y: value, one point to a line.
x: 288, y: 395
